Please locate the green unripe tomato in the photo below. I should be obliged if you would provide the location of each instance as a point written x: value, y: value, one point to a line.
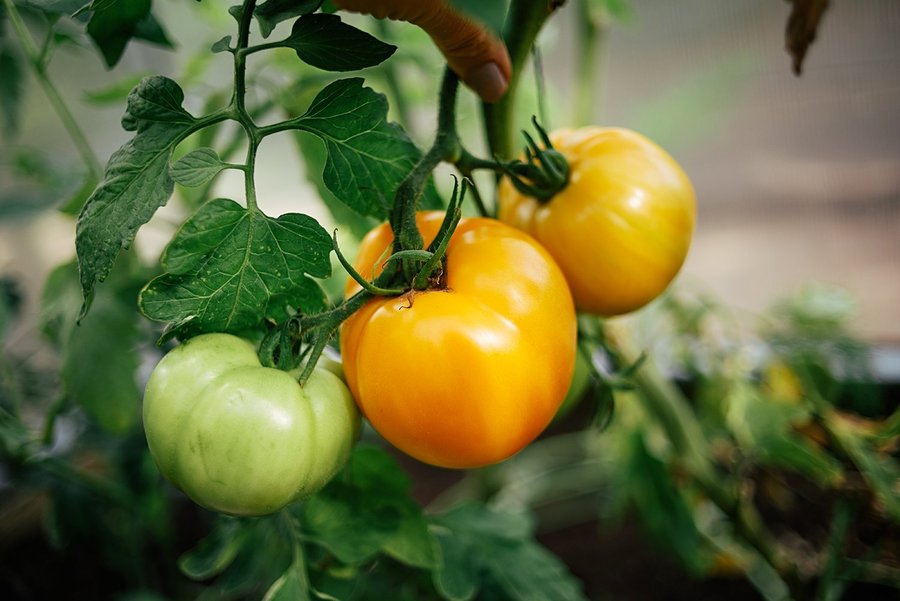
x: 241, y: 438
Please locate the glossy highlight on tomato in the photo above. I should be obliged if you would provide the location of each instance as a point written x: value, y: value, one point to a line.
x: 240, y: 438
x: 467, y: 375
x: 621, y: 229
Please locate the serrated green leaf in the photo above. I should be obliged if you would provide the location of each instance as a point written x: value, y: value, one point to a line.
x: 216, y: 552
x: 290, y: 586
x: 196, y: 167
x: 357, y: 516
x: 272, y: 12
x: 136, y: 182
x: 11, y: 91
x: 227, y: 268
x: 113, y: 23
x: 473, y: 538
x: 326, y: 42
x: 368, y: 156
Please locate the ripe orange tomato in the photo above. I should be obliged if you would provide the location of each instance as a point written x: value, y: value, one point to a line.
x: 620, y: 230
x: 467, y: 375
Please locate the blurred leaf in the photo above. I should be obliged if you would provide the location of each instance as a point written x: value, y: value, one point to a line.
x: 150, y: 30
x: 99, y: 356
x: 802, y: 25
x: 272, y: 12
x: 99, y: 364
x: 817, y: 308
x: 59, y: 7
x: 880, y: 471
x: 11, y: 92
x: 33, y: 181
x: 490, y: 14
x: 216, y: 552
x: 367, y: 511
x: 473, y: 538
x: 197, y: 167
x: 60, y: 303
x: 229, y: 267
x: 764, y: 429
x: 620, y: 10
x: 326, y: 42
x: 803, y: 457
x: 291, y: 586
x: 136, y: 182
x: 117, y: 92
x: 113, y: 23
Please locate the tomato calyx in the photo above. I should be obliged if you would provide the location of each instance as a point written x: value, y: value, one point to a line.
x: 427, y: 265
x: 543, y: 173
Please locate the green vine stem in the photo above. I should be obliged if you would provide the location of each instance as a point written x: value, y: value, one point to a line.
x: 523, y: 23
x: 37, y: 61
x: 593, y: 24
x: 238, y: 102
x: 446, y: 147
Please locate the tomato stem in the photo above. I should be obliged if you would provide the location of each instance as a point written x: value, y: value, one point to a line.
x: 37, y: 59
x: 366, y: 284
x: 523, y: 23
x: 441, y: 241
x: 444, y: 148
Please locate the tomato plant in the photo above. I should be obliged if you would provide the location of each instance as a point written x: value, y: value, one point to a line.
x: 241, y: 438
x: 457, y: 335
x: 476, y: 368
x: 621, y: 228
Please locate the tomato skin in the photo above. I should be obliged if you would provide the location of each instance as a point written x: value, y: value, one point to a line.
x: 240, y: 438
x: 621, y: 229
x: 466, y: 376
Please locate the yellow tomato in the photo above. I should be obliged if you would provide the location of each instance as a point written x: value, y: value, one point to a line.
x: 620, y: 230
x: 469, y: 374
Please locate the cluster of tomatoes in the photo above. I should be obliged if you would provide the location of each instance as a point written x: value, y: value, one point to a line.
x: 462, y: 375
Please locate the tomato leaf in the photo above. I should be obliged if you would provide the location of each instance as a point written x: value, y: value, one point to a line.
x: 196, y: 167
x: 368, y: 156
x: 368, y: 511
x: 136, y: 182
x: 291, y: 586
x: 228, y: 267
x: 113, y: 24
x: 475, y: 538
x: 216, y: 552
x: 326, y: 42
x: 107, y: 338
x: 151, y: 30
x: 272, y: 12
